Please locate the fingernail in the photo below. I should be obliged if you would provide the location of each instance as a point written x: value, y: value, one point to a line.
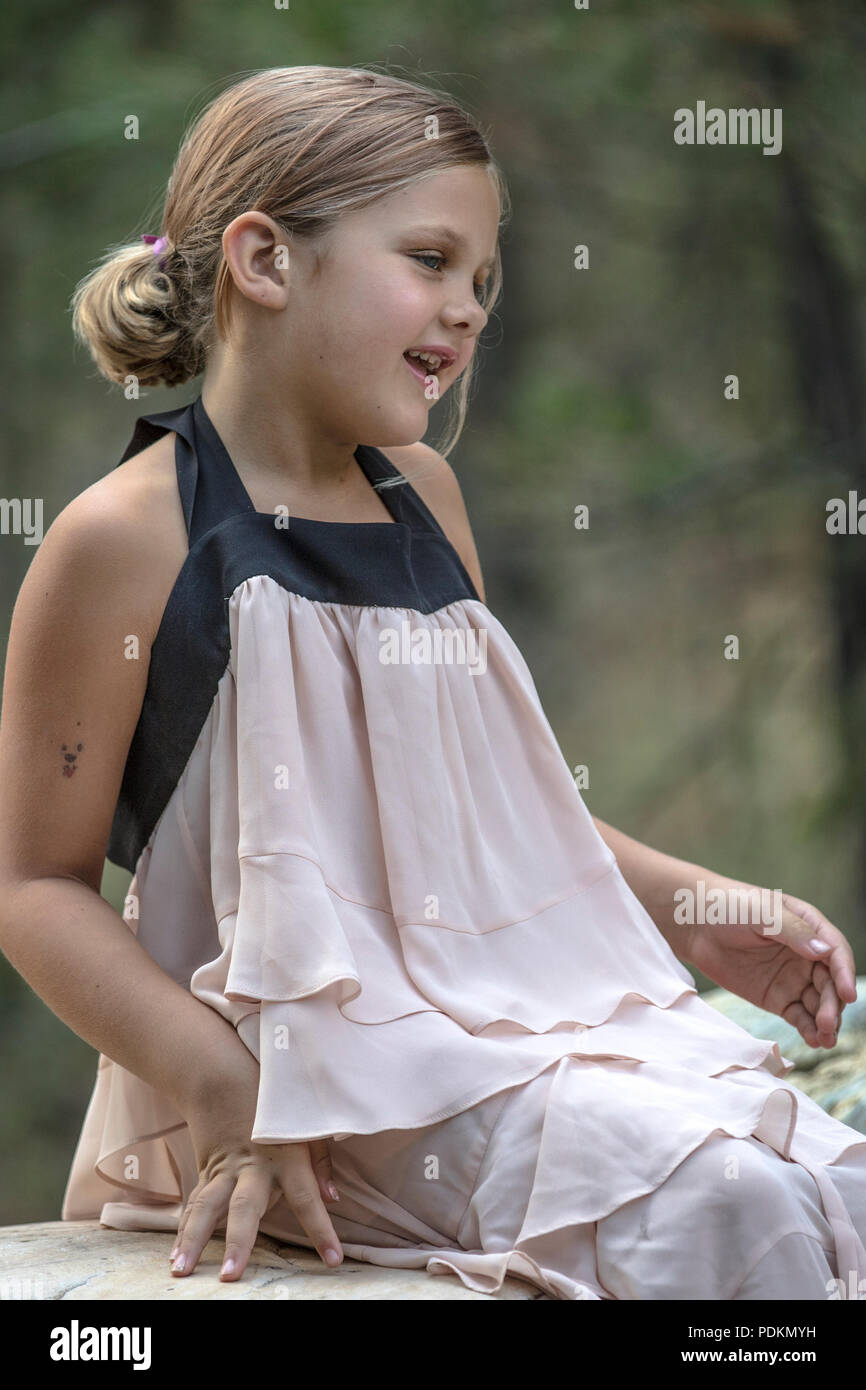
x: 179, y: 1264
x: 172, y: 1255
x: 333, y: 1193
x: 817, y: 945
x: 228, y: 1267
x: 331, y: 1257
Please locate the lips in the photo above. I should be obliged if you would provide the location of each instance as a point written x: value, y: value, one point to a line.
x: 421, y: 370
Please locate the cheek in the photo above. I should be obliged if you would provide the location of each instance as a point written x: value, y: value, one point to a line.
x: 393, y: 309
x: 371, y: 316
x: 413, y: 304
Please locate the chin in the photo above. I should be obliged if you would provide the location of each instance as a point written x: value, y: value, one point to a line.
x: 393, y: 432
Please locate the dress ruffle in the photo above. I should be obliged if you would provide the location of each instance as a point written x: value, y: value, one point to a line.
x: 385, y: 877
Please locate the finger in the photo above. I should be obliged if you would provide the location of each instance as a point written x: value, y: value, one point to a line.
x: 206, y: 1212
x: 183, y: 1218
x: 840, y: 962
x: 320, y: 1155
x: 808, y: 925
x: 827, y: 1022
x: 302, y: 1194
x: 835, y: 971
x: 827, y: 1018
x: 830, y: 1007
x: 812, y: 999
x: 802, y: 930
x: 820, y: 999
x: 799, y: 1017
x: 248, y: 1203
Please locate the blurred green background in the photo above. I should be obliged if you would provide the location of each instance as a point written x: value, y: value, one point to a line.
x: 602, y: 386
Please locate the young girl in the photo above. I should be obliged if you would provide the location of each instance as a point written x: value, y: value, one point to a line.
x: 374, y: 937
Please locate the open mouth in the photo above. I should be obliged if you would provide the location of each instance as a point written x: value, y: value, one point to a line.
x: 426, y: 374
x: 421, y: 369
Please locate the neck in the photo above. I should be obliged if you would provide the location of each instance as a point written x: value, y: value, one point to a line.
x: 277, y: 444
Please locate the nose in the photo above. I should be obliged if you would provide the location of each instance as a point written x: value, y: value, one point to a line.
x: 468, y: 318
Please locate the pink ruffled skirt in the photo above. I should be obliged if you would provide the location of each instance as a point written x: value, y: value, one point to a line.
x: 504, y: 1188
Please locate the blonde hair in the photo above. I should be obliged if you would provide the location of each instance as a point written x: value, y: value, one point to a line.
x: 302, y: 144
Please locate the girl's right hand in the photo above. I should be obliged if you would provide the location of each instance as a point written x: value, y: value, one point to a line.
x: 239, y: 1181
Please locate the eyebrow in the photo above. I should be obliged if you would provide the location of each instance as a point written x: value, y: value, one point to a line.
x: 454, y: 239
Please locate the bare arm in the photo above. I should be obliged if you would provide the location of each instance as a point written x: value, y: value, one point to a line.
x: 654, y: 877
x: 72, y: 699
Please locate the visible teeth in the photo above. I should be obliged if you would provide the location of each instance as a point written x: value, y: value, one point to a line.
x: 433, y: 360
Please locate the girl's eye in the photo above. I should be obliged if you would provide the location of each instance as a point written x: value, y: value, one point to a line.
x: 429, y: 256
x: 480, y: 290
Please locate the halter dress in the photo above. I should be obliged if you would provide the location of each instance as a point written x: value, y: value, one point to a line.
x: 353, y: 833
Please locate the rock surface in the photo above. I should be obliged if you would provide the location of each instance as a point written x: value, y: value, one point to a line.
x: 81, y: 1260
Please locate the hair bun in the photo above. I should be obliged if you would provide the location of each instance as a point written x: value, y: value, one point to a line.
x: 126, y: 313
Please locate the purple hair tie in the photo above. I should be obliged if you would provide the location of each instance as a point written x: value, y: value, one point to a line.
x: 158, y: 244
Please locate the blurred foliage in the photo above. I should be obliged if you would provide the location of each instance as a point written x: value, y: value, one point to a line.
x: 602, y: 386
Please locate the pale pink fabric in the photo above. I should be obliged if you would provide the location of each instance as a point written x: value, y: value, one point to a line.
x: 385, y: 877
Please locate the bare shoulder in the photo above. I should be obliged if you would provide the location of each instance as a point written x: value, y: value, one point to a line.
x: 437, y: 485
x: 126, y: 531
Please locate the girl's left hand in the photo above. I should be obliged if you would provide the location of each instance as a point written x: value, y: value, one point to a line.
x: 782, y: 972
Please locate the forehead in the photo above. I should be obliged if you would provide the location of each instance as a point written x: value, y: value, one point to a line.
x: 457, y: 208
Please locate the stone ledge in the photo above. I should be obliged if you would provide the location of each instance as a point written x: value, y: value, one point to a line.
x: 81, y: 1260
